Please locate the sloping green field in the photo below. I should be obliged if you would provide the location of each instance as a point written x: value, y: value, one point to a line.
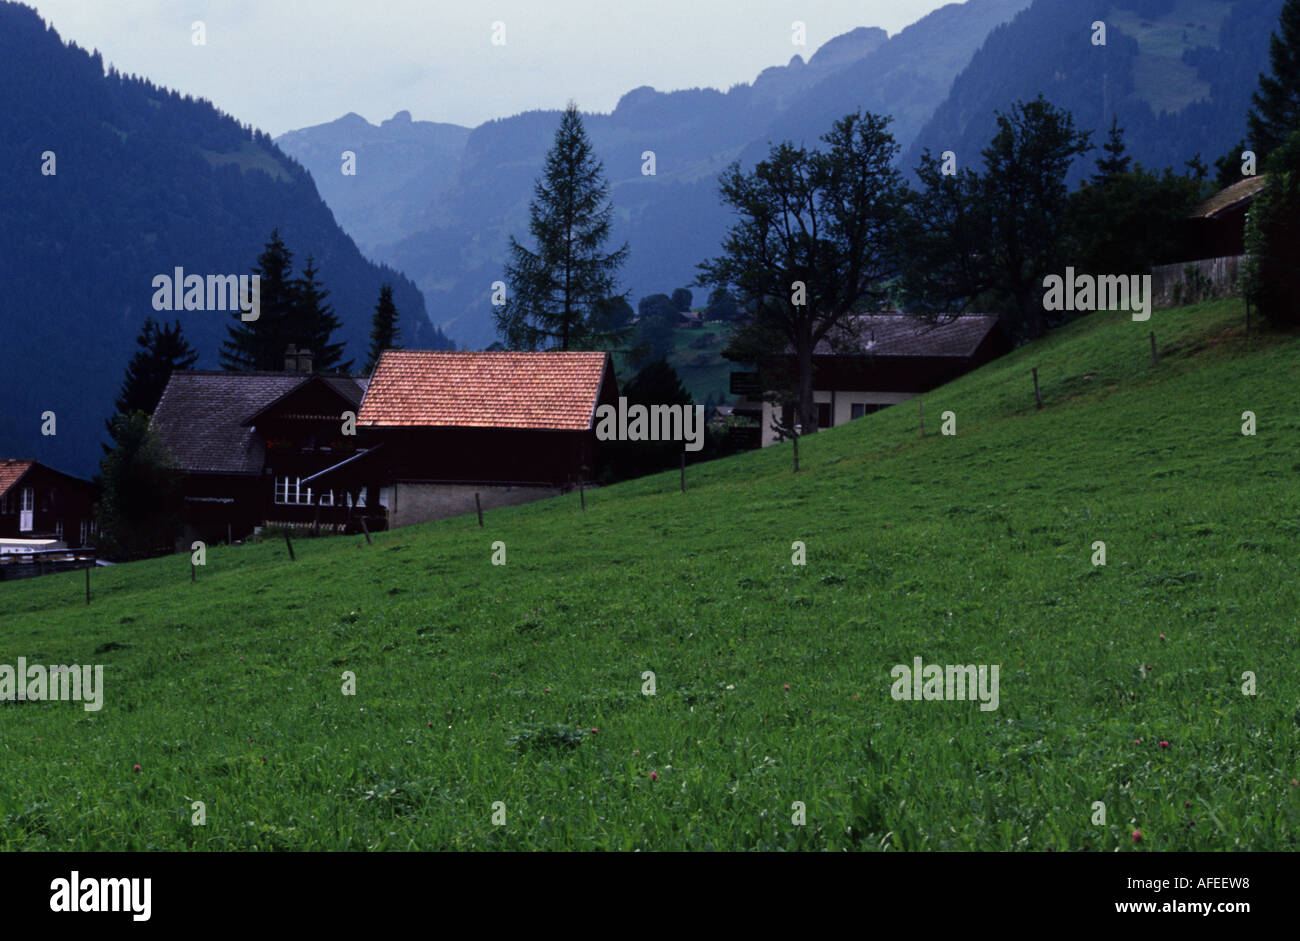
x: 523, y: 683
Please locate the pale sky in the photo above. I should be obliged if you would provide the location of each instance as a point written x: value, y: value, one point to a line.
x: 286, y: 64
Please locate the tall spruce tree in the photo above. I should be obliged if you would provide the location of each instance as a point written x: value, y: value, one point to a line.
x: 313, y: 322
x: 385, y: 331
x: 260, y: 343
x: 555, y: 290
x: 1276, y: 111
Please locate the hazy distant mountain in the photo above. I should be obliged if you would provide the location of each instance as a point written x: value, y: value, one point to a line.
x: 672, y: 220
x: 1178, y: 74
x: 146, y: 181
x: 398, y: 167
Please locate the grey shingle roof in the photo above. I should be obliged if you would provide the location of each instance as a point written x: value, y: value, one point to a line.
x: 903, y: 335
x: 200, y: 416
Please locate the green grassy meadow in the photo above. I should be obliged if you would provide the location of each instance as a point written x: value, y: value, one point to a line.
x: 522, y: 683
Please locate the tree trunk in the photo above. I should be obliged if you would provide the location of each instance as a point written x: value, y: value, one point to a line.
x: 807, y: 408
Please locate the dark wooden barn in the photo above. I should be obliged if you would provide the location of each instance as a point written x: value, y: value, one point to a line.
x: 39, y: 502
x: 249, y: 445
x: 508, y: 426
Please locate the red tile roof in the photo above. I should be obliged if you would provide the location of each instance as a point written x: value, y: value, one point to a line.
x: 11, y: 471
x: 551, y: 391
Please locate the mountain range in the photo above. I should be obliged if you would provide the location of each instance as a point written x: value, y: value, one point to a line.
x: 106, y: 181
x: 440, y: 201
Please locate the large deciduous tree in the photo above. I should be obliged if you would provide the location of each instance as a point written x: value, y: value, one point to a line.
x: 817, y: 242
x: 556, y: 293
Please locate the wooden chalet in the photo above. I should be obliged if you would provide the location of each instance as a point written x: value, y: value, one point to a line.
x: 873, y: 362
x: 510, y: 427
x: 252, y: 446
x: 43, y: 508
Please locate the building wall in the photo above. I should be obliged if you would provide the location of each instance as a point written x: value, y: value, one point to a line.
x: 415, y: 502
x: 1172, y: 285
x: 842, y: 407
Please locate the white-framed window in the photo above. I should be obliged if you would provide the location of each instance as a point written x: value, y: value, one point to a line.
x: 58, y: 530
x: 26, y: 511
x: 4, y: 504
x: 360, y: 501
x: 289, y: 490
x: 85, y: 533
x: 326, y: 497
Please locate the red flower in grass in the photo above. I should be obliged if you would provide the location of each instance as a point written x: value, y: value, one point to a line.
x: 1164, y: 744
x: 1137, y: 836
x: 135, y: 768
x: 787, y: 687
x: 654, y: 776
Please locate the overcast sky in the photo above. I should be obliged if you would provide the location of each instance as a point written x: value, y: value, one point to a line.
x: 285, y: 64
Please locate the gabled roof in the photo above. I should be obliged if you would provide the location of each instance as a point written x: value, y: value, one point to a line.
x: 905, y: 335
x: 201, y: 417
x: 550, y: 391
x: 349, y: 389
x: 1243, y: 191
x: 11, y: 471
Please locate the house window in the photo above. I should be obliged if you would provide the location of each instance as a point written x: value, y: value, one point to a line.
x: 85, y: 533
x: 289, y: 490
x: 58, y: 530
x: 858, y: 409
x: 4, y: 504
x: 29, y: 500
x: 326, y: 497
x: 823, y: 414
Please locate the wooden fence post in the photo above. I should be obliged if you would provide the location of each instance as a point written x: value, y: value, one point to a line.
x: 365, y: 529
x: 478, y: 506
x: 88, y: 564
x: 292, y: 557
x: 582, y: 496
x: 1038, y: 397
x: 1155, y: 360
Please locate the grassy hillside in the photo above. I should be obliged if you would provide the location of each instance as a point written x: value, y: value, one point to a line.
x: 522, y: 683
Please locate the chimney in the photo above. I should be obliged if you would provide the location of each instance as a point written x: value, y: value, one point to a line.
x: 297, y: 360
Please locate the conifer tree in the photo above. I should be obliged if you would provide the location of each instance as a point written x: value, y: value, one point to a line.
x: 555, y: 290
x: 162, y: 350
x: 1116, y: 161
x: 385, y: 331
x: 260, y: 343
x: 1276, y: 111
x: 313, y: 322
